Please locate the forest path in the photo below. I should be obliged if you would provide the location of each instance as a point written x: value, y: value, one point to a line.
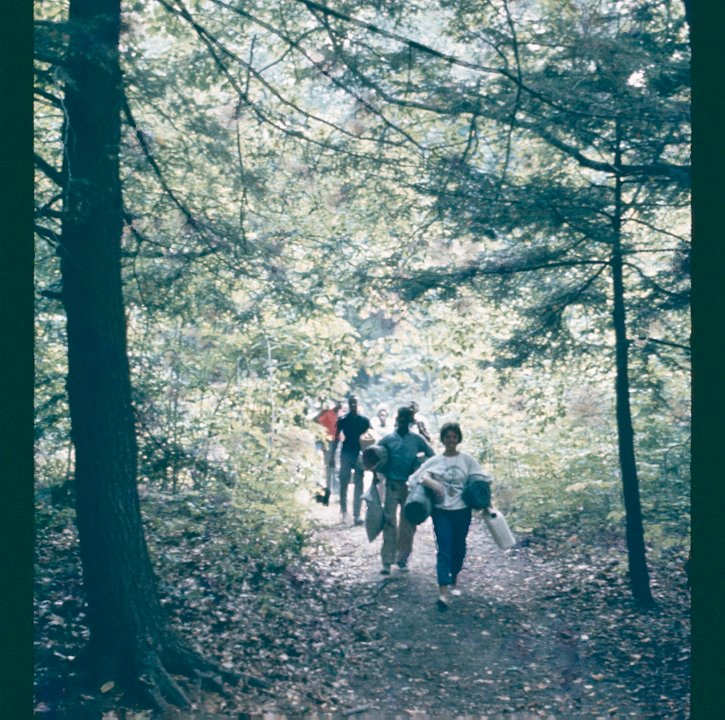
x: 545, y: 630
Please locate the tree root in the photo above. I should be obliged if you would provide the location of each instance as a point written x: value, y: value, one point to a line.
x: 154, y: 673
x: 157, y: 685
x: 209, y: 674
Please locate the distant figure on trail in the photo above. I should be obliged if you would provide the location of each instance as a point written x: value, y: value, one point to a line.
x: 351, y: 426
x: 419, y: 425
x: 327, y: 417
x: 381, y: 424
x: 446, y: 476
x: 405, y: 450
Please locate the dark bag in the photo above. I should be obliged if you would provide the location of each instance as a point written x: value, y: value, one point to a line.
x: 418, y: 504
x: 477, y: 493
x: 374, y: 457
x: 374, y: 516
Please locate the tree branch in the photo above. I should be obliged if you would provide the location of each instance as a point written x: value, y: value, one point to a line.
x: 322, y: 70
x: 155, y: 167
x: 52, y: 237
x: 667, y: 343
x: 680, y: 173
x: 48, y: 170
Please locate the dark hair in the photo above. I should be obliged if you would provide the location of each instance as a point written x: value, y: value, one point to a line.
x: 405, y: 414
x: 447, y: 427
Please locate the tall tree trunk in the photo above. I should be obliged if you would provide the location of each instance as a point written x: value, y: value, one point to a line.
x: 638, y: 572
x: 129, y: 640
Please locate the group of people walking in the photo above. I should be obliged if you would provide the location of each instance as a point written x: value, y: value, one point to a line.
x: 410, y: 459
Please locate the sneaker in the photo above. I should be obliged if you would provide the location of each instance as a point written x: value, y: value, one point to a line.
x: 455, y: 592
x: 358, y: 522
x: 385, y: 570
x: 442, y: 603
x: 344, y: 518
x: 403, y: 566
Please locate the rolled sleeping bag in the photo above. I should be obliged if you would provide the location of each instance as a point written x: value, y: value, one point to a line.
x: 374, y: 457
x: 418, y: 504
x: 477, y: 492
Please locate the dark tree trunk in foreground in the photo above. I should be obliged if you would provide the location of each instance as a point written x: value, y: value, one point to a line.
x: 129, y: 640
x: 638, y: 572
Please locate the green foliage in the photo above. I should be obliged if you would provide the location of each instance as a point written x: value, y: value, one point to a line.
x: 243, y: 538
x: 549, y: 442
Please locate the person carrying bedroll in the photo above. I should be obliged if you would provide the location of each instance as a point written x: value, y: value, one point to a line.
x: 448, y: 476
x: 405, y: 452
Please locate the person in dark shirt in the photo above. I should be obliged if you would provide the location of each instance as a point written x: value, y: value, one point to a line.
x: 351, y: 426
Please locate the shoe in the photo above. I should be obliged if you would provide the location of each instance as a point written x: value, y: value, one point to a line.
x: 455, y: 592
x: 358, y: 522
x: 322, y: 496
x: 442, y: 603
x: 403, y: 566
x: 385, y: 570
x: 344, y: 518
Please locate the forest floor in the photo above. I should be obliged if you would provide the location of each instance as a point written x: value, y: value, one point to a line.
x: 545, y: 630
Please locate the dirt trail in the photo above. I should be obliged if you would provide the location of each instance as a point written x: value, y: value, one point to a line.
x: 545, y: 630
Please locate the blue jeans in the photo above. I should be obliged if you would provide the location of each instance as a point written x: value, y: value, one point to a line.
x: 450, y: 528
x: 348, y: 464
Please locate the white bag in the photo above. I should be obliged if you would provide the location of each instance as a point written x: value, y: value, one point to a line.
x: 374, y: 516
x: 499, y: 528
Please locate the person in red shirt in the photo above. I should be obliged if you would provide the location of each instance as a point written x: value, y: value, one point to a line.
x: 327, y: 417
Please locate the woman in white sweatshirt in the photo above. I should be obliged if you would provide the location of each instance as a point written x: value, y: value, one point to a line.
x: 446, y: 476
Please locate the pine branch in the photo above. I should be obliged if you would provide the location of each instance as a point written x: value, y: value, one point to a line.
x: 51, y: 294
x: 413, y: 286
x: 653, y: 284
x: 210, y: 41
x: 412, y: 44
x: 326, y: 73
x: 48, y: 212
x: 680, y: 173
x: 52, y: 100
